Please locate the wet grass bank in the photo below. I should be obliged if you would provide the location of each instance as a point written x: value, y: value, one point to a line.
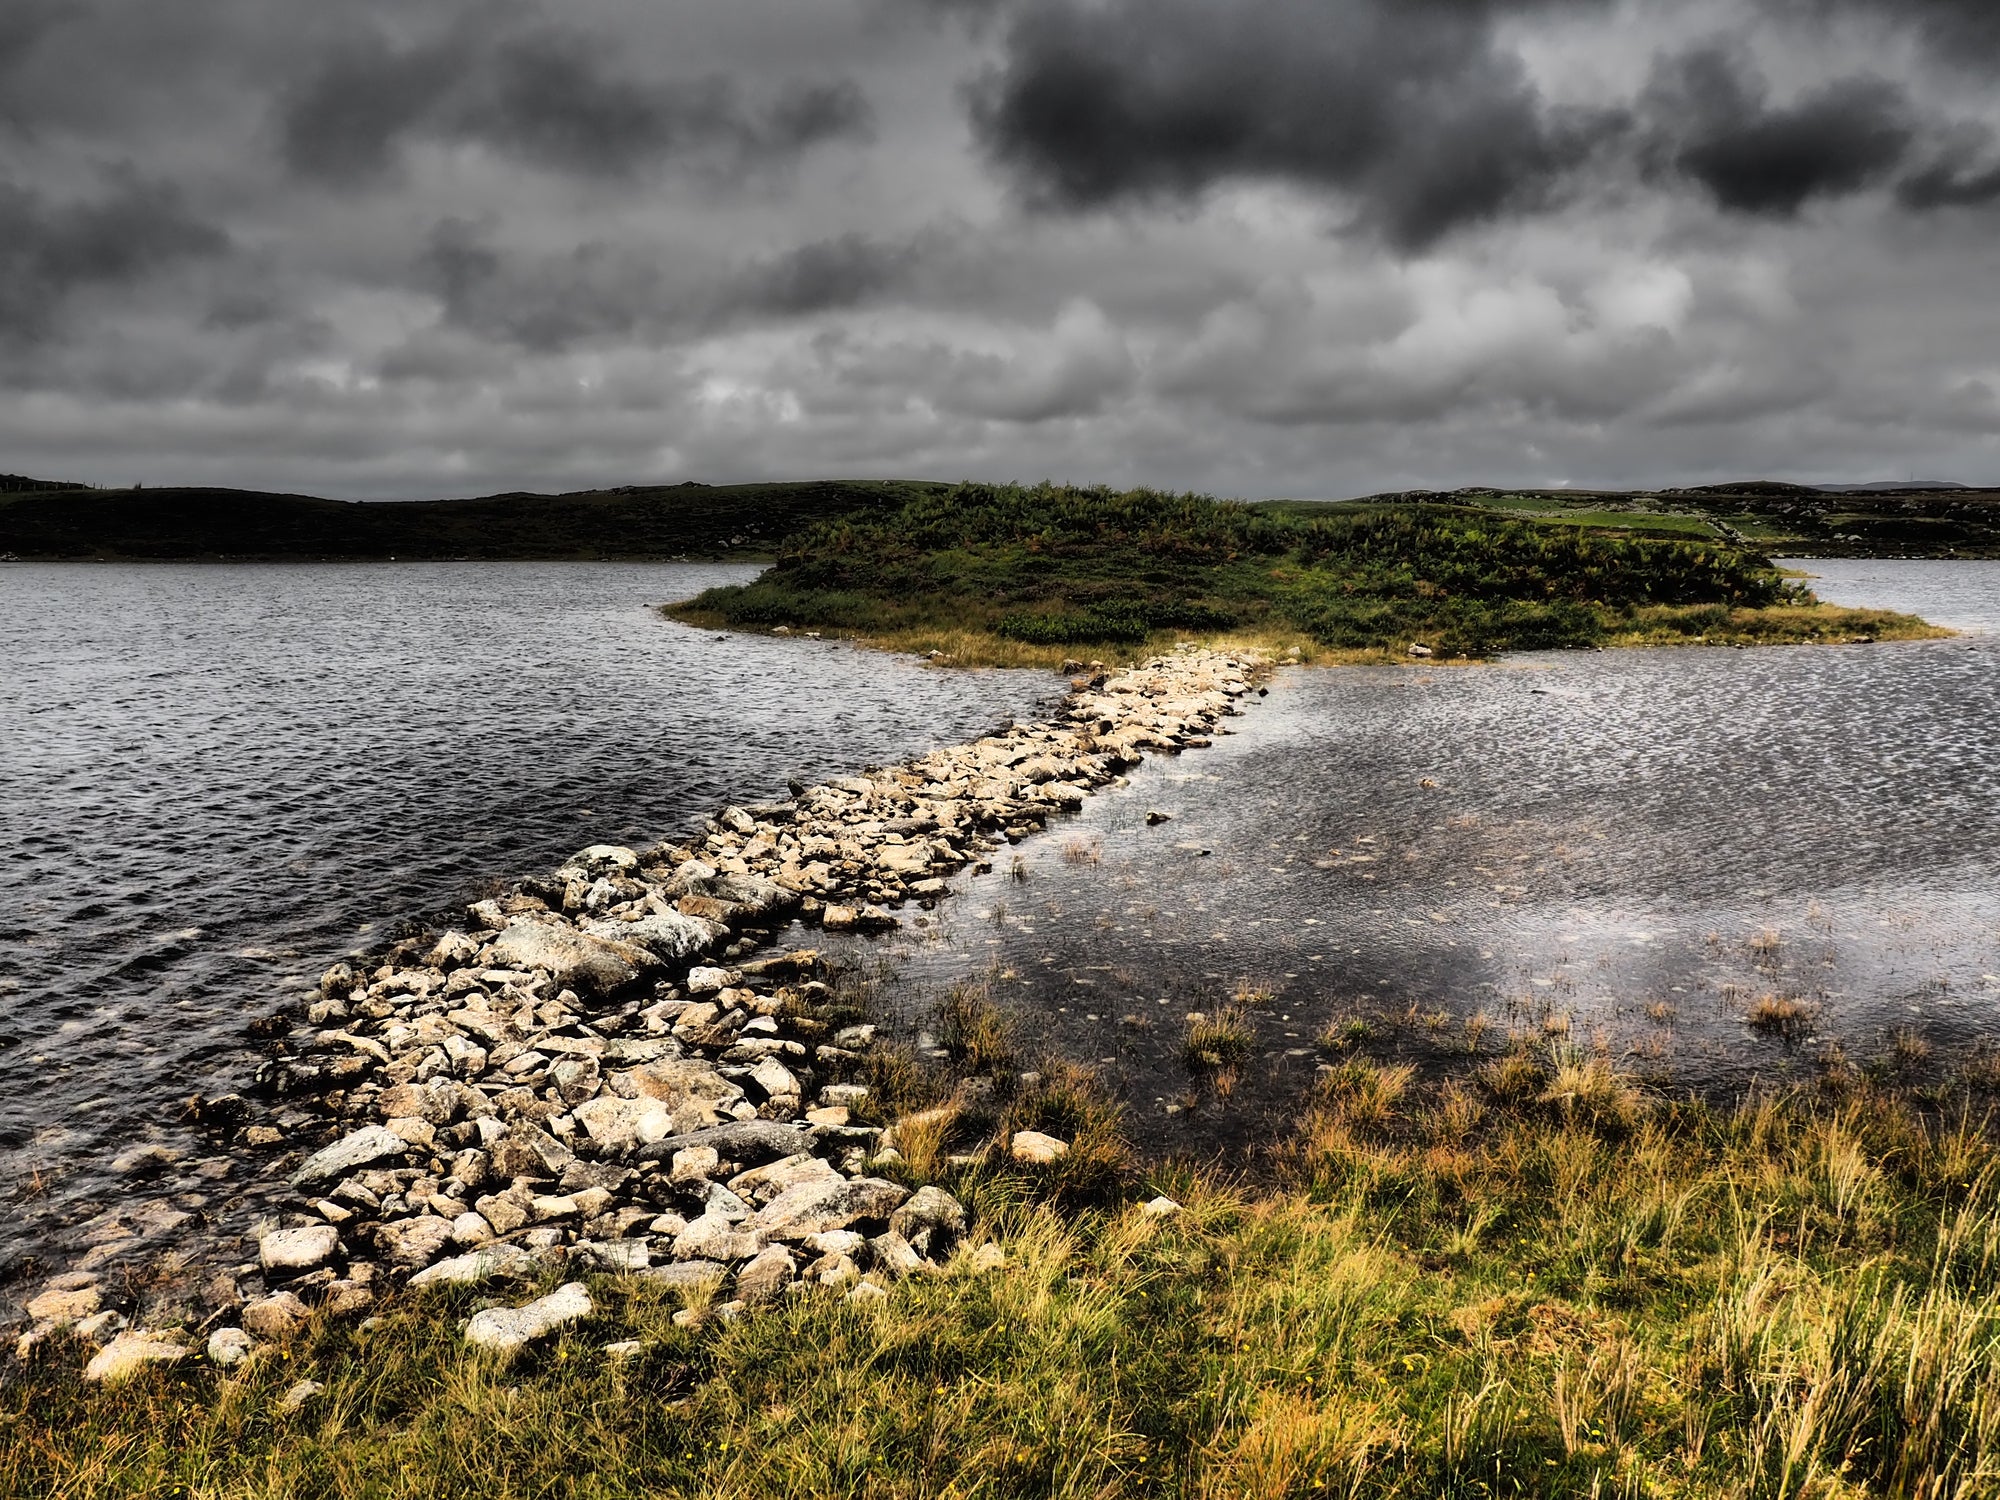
x: 1533, y: 1277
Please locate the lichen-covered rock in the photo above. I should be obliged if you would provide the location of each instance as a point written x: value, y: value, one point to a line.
x: 576, y: 960
x: 131, y: 1352
x: 363, y: 1148
x: 931, y: 1222
x: 822, y: 1204
x: 298, y: 1249
x: 492, y: 1263
x: 767, y: 1275
x: 507, y: 1330
x: 413, y: 1244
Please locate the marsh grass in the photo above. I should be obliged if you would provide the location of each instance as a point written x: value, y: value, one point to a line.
x: 1080, y: 849
x: 1220, y: 1038
x: 1798, y: 1297
x: 1779, y: 1015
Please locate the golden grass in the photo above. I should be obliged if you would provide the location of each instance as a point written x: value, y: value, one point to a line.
x: 1799, y: 1298
x: 1778, y: 625
x: 1818, y: 624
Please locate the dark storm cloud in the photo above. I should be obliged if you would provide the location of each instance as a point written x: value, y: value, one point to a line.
x: 596, y: 290
x: 550, y: 98
x: 1964, y: 178
x: 1755, y: 158
x: 344, y: 123
x: 1410, y: 108
x: 1965, y: 31
x: 50, y: 252
x: 845, y: 271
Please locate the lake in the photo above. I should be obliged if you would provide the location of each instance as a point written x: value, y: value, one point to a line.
x: 215, y: 780
x: 1622, y: 849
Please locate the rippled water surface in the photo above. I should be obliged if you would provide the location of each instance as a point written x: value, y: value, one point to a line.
x: 214, y: 780
x: 1625, y: 848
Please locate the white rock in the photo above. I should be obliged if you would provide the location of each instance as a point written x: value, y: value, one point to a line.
x: 1037, y: 1149
x: 129, y: 1353
x: 229, y: 1347
x: 299, y: 1395
x: 494, y: 1262
x: 507, y: 1330
x: 298, y: 1249
x: 624, y: 1124
x: 713, y: 1237
x: 65, y: 1305
x: 694, y: 1164
x: 367, y: 1145
x: 1159, y: 1208
x: 820, y: 1204
x: 704, y: 980
x: 775, y: 1079
x: 761, y: 1184
x: 576, y: 960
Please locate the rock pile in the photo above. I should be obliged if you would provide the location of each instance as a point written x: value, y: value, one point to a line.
x: 593, y: 1071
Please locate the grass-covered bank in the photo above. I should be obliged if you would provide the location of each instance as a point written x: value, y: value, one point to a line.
x: 1013, y: 574
x: 1529, y: 1281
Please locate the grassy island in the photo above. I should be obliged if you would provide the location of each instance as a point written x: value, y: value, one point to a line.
x: 1018, y: 574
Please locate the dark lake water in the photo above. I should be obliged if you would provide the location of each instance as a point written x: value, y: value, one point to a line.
x: 215, y: 780
x: 1612, y: 849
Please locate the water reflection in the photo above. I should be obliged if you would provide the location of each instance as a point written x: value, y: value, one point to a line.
x: 1623, y: 849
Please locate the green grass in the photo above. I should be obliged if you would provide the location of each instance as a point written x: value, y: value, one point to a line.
x: 1429, y: 1292
x: 1056, y: 570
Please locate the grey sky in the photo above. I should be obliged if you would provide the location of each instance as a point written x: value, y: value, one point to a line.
x: 1310, y: 247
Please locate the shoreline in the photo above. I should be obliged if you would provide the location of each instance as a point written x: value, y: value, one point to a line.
x: 506, y: 1098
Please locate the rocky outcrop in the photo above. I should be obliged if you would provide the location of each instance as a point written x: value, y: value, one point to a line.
x: 595, y: 1070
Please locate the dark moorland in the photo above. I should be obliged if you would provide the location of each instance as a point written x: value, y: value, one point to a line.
x: 51, y: 519
x: 632, y: 521
x: 1786, y: 519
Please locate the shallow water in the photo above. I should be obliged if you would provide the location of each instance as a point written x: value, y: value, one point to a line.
x: 1616, y: 848
x: 215, y: 780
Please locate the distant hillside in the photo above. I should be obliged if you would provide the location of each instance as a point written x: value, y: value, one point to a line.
x: 20, y: 484
x: 1783, y: 519
x: 690, y: 520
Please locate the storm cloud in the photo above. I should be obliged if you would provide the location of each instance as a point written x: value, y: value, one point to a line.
x: 1411, y: 108
x: 1752, y: 157
x: 403, y: 247
x: 548, y: 98
x: 115, y: 237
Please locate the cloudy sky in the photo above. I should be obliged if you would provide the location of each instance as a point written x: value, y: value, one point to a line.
x: 1261, y: 247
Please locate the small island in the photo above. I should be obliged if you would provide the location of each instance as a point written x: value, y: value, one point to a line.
x: 1014, y: 575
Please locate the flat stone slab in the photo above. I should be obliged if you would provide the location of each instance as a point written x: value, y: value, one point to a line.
x: 508, y: 1330
x: 331, y: 1163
